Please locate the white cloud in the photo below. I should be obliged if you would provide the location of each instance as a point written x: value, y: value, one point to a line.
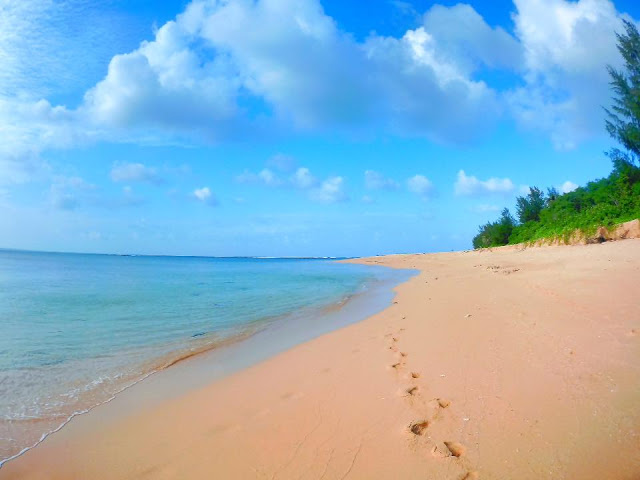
x: 421, y: 91
x: 269, y: 178
x: 166, y: 85
x: 376, y: 181
x: 303, y: 179
x: 199, y: 78
x: 330, y: 191
x: 185, y: 84
x: 205, y: 196
x: 25, y: 129
x: 568, y: 186
x: 566, y: 47
x: 420, y: 185
x: 461, y: 33
x: 470, y: 185
x: 134, y: 172
x: 367, y: 199
x: 265, y: 177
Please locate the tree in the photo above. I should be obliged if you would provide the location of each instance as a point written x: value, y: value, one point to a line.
x: 530, y: 206
x: 552, y: 194
x: 494, y: 234
x: 623, y: 119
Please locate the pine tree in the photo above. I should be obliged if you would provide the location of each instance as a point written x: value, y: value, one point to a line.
x: 623, y: 122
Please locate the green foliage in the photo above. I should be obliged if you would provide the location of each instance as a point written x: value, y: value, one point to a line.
x: 605, y: 202
x: 496, y: 233
x: 623, y: 118
x: 552, y: 194
x: 530, y: 206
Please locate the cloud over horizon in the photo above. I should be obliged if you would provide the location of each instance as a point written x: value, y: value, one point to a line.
x: 468, y: 185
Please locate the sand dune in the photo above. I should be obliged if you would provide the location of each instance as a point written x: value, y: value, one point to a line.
x: 503, y: 364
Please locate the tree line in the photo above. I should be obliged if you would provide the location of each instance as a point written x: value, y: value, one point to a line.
x: 605, y: 202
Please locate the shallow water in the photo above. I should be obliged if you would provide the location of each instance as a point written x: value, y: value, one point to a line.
x: 77, y: 329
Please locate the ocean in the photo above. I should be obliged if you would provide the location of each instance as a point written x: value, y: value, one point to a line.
x: 77, y: 329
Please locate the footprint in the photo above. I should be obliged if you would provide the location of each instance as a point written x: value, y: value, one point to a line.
x: 412, y: 391
x: 456, y: 449
x: 438, y: 452
x: 443, y: 402
x: 471, y: 476
x: 415, y: 375
x: 396, y: 365
x: 419, y: 428
x: 402, y: 354
x: 394, y: 339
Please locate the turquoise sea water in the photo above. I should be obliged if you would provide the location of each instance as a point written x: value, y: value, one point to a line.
x: 77, y: 329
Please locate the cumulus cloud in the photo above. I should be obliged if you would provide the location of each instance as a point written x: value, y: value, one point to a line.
x: 240, y: 68
x: 566, y: 47
x: 303, y: 179
x: 421, y: 91
x: 134, y: 172
x: 166, y: 84
x: 269, y: 178
x: 330, y: 191
x: 376, y: 181
x: 420, y: 185
x: 265, y: 177
x: 463, y: 34
x: 198, y: 78
x: 205, y: 196
x: 469, y: 185
x: 568, y: 186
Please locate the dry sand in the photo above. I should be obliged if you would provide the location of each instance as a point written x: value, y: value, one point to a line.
x: 509, y: 364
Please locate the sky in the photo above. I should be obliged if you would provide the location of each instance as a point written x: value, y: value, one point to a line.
x: 293, y: 127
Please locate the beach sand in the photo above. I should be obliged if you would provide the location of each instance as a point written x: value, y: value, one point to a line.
x: 503, y: 364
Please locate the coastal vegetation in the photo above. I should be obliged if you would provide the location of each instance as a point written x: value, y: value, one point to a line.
x: 604, y: 202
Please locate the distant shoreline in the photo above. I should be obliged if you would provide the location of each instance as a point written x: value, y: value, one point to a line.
x: 18, y: 250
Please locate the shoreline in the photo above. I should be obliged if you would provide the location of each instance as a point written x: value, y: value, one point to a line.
x: 240, y: 350
x: 502, y: 364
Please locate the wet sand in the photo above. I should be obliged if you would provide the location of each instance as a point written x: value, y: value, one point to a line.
x: 518, y: 364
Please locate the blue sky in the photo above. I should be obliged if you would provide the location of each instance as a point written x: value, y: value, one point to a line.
x: 293, y: 127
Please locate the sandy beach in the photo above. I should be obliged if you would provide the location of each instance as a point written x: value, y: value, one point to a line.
x: 504, y: 364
